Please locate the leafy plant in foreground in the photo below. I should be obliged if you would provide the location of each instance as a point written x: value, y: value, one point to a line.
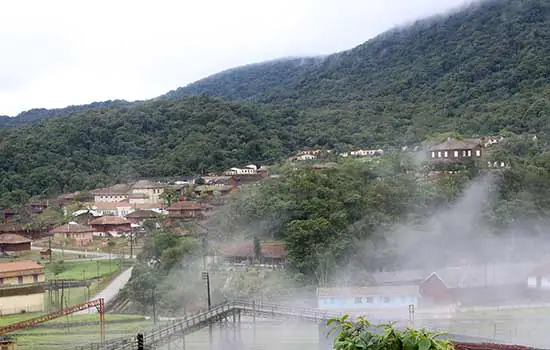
x: 360, y: 335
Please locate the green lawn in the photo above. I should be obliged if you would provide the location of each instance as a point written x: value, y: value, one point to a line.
x: 80, y: 270
x: 43, y: 337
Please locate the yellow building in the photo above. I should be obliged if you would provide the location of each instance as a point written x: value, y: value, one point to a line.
x: 21, y: 287
x: 7, y: 343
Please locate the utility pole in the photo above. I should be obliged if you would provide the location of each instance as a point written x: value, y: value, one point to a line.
x: 206, y: 277
x: 132, y: 245
x: 154, y: 306
x: 50, y: 248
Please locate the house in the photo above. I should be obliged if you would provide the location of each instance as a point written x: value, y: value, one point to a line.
x: 391, y: 301
x: 79, y: 235
x: 84, y: 216
x: 6, y: 214
x: 273, y: 253
x: 145, y: 191
x: 363, y: 153
x: 21, y: 287
x: 455, y: 151
x: 247, y: 170
x: 111, y: 224
x: 187, y: 210
x: 211, y: 190
x: 20, y: 230
x: 114, y: 193
x: 139, y: 216
x: 123, y: 208
x: 10, y: 242
x: 468, y: 284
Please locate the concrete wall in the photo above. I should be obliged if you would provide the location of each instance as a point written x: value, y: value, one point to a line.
x: 16, y: 304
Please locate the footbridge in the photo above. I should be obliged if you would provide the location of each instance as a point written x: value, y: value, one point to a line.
x: 229, y: 314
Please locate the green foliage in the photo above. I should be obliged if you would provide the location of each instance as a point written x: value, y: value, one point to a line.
x: 478, y: 71
x: 99, y: 147
x: 361, y: 335
x: 257, y: 250
x: 169, y: 195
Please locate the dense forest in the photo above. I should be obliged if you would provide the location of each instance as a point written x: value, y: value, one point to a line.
x: 38, y: 114
x: 479, y: 70
x: 101, y: 146
x: 482, y: 70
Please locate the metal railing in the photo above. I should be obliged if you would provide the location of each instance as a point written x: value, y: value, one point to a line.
x: 204, y: 318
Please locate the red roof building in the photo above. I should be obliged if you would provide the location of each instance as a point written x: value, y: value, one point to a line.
x: 111, y: 224
x: 10, y: 242
x: 79, y: 235
x: 273, y: 253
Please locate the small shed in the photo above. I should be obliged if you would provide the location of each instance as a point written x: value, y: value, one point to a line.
x: 45, y: 254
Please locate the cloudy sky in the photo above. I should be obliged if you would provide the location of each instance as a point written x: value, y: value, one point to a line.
x: 56, y: 53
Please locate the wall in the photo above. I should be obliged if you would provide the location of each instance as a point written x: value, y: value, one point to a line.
x: 26, y: 279
x: 544, y: 282
x: 110, y: 198
x: 16, y: 304
x: 372, y: 302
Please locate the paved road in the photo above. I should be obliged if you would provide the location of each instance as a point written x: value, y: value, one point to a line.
x: 111, y: 290
x: 91, y: 255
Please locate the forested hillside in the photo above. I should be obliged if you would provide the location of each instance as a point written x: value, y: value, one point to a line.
x: 483, y: 70
x: 37, y: 114
x: 163, y: 138
x: 480, y: 70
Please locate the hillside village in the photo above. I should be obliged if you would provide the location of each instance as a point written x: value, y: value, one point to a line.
x: 123, y: 212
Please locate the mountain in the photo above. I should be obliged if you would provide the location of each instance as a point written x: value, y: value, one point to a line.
x: 37, y: 114
x: 251, y: 80
x: 482, y: 70
x: 102, y: 146
x: 479, y: 70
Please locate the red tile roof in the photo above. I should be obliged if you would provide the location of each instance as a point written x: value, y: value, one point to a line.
x: 186, y: 205
x: 19, y: 266
x: 246, y: 249
x: 110, y: 220
x: 10, y: 238
x: 72, y: 227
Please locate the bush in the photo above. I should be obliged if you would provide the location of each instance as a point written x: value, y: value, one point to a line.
x: 360, y: 335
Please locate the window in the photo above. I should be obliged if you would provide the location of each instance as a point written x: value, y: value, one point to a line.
x: 469, y: 153
x: 19, y: 279
x: 446, y: 154
x: 464, y: 153
x: 433, y: 154
x: 456, y: 154
x: 35, y: 278
x: 369, y: 300
x: 359, y: 300
x: 478, y: 153
x: 387, y: 300
x: 332, y: 300
x: 438, y: 154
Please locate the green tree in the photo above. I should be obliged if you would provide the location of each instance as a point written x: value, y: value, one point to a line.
x: 169, y: 195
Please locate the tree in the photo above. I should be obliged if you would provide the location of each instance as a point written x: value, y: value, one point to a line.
x: 169, y: 195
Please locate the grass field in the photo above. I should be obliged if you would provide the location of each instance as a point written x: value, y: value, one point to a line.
x: 69, y: 337
x: 81, y: 270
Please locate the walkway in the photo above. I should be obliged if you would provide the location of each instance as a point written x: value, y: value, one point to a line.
x: 110, y: 292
